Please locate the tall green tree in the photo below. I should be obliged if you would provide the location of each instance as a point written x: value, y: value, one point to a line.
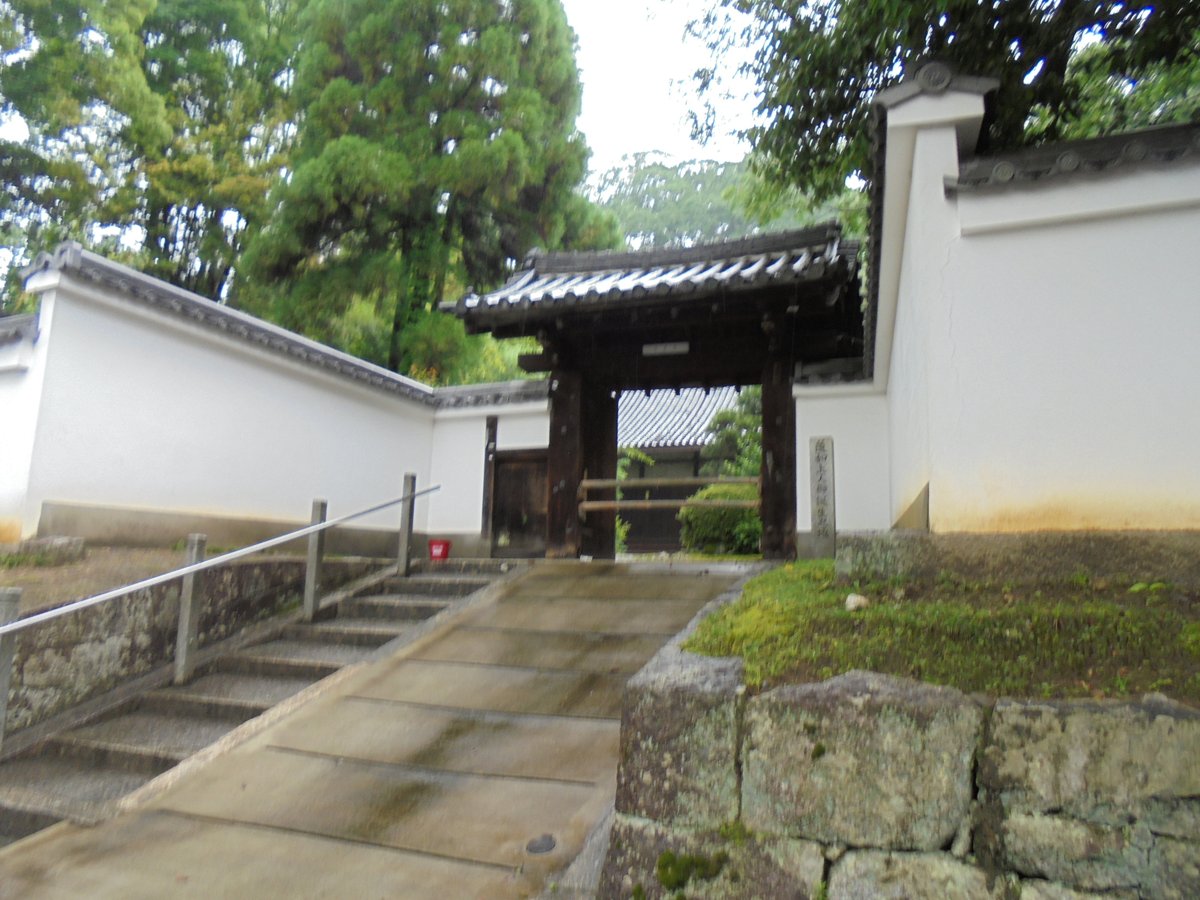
x: 156, y: 125
x: 658, y: 203
x: 736, y: 446
x: 664, y: 204
x: 222, y: 68
x: 436, y: 146
x: 819, y: 63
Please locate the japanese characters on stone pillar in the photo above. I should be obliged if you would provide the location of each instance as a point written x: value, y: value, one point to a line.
x: 824, y: 519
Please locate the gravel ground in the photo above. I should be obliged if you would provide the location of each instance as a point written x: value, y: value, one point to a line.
x: 101, y: 569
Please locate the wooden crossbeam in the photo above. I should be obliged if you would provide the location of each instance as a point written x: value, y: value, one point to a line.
x: 638, y: 483
x: 587, y: 506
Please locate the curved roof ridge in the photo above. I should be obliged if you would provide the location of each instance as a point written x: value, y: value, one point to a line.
x: 564, y: 262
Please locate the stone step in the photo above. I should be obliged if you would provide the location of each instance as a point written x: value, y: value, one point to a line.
x: 109, y: 754
x: 17, y: 823
x: 251, y: 665
x: 48, y: 788
x: 172, y: 701
x: 398, y: 607
x: 438, y: 585
x: 353, y: 632
x: 173, y: 736
x: 284, y: 650
x: 259, y: 690
x: 465, y: 565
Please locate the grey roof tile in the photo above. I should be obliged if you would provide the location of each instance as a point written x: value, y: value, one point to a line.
x: 664, y: 419
x: 617, y: 277
x: 1090, y: 156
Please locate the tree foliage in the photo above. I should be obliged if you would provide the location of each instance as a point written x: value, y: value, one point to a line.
x: 721, y: 529
x: 436, y: 146
x: 153, y: 124
x: 736, y: 447
x: 819, y: 63
x: 658, y: 203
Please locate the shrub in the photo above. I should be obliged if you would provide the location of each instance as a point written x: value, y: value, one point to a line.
x: 721, y: 529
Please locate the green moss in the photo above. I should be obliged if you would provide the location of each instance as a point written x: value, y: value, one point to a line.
x: 735, y: 832
x: 818, y: 751
x: 27, y: 560
x: 1067, y: 639
x: 675, y: 870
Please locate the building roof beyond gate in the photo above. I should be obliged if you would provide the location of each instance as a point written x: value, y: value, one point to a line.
x: 656, y: 420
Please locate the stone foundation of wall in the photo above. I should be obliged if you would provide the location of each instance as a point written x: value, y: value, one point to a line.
x: 63, y: 662
x: 870, y: 786
x: 1035, y: 557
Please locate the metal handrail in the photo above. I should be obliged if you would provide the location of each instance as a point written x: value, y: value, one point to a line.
x: 59, y: 611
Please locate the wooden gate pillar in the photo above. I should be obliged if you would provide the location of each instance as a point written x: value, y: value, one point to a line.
x: 564, y: 465
x: 778, y: 462
x: 599, y: 430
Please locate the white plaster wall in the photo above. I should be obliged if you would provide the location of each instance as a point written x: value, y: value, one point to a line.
x: 22, y: 370
x: 524, y: 427
x: 858, y: 424
x: 457, y: 459
x: 1068, y: 394
x: 915, y: 366
x: 145, y: 410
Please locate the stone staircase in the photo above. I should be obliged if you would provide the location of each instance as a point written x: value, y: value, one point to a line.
x: 80, y: 773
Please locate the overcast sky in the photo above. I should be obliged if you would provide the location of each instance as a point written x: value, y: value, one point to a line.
x: 636, y: 66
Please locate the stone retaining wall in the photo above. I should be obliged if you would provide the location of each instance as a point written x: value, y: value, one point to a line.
x: 1024, y: 558
x: 63, y: 662
x: 869, y: 786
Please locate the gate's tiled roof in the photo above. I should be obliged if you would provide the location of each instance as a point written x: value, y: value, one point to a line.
x: 605, y: 278
x: 664, y: 419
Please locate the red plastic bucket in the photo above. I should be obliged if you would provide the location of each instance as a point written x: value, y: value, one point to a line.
x: 439, y: 550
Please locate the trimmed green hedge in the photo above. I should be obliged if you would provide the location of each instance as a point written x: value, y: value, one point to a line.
x: 730, y: 530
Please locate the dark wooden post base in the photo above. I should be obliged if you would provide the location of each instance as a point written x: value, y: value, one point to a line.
x: 564, y: 465
x: 778, y: 463
x: 599, y: 435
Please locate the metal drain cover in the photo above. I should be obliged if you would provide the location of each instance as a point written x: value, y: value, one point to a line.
x: 543, y: 844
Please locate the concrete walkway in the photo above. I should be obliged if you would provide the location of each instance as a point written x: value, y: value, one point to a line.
x: 423, y: 774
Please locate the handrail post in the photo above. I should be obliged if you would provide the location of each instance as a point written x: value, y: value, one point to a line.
x: 187, y: 638
x: 10, y: 602
x: 407, y: 511
x: 312, y: 566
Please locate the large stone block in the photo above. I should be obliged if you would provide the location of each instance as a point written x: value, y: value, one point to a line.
x: 1131, y: 861
x: 1174, y: 870
x: 876, y: 875
x: 752, y: 866
x: 864, y: 760
x: 1110, y: 763
x: 679, y: 741
x: 1077, y: 854
x: 1049, y: 890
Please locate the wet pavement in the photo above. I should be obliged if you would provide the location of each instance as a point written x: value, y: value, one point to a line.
x: 426, y: 774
